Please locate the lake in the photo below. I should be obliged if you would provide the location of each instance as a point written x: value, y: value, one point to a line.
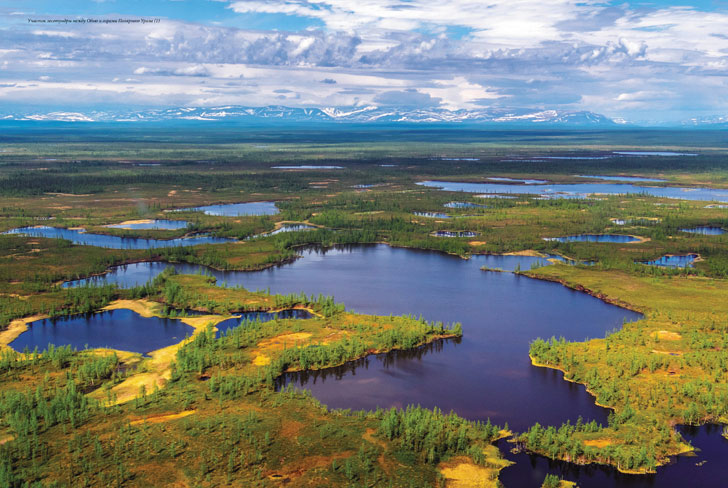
x: 432, y: 215
x: 487, y: 374
x: 622, y: 178
x: 234, y: 209
x: 581, y: 190
x: 705, y: 230
x: 617, y: 238
x: 463, y: 205
x: 122, y: 329
x: 674, y: 261
x: 702, y: 470
x: 447, y: 233
x: 79, y: 236
x: 241, y: 318
x: 156, y: 224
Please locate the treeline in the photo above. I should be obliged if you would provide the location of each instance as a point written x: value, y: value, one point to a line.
x: 224, y: 257
x: 692, y: 401
x: 66, y: 301
x: 87, y: 370
x: 233, y: 349
x: 434, y: 436
x: 89, y: 177
x: 567, y: 443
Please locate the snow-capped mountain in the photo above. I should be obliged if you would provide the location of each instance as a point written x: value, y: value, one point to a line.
x: 360, y: 114
x: 716, y: 121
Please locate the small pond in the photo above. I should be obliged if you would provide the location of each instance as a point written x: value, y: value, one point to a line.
x: 433, y: 215
x: 292, y: 228
x: 239, y: 319
x: 618, y: 238
x: 705, y: 230
x: 122, y: 329
x: 637, y: 221
x: 235, y: 209
x: 447, y: 233
x: 463, y: 205
x: 674, y: 261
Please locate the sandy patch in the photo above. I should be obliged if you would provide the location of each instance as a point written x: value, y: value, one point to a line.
x: 598, y: 443
x: 145, y: 308
x: 130, y: 222
x: 477, y: 243
x: 158, y: 419
x: 467, y: 475
x: 17, y: 327
x: 261, y: 360
x: 156, y: 370
x: 284, y: 340
x: 667, y: 335
x: 527, y: 252
x: 172, y: 193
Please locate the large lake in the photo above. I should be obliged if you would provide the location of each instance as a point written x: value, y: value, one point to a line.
x: 487, y: 374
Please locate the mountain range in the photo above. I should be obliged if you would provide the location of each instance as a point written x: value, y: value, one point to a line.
x: 369, y: 114
x: 364, y: 114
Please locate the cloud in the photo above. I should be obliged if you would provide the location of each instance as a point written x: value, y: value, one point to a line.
x: 328, y: 81
x: 192, y: 70
x: 407, y: 98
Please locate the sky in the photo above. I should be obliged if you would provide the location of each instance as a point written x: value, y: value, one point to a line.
x: 641, y: 61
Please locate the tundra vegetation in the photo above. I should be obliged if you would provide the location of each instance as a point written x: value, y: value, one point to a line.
x: 207, y: 411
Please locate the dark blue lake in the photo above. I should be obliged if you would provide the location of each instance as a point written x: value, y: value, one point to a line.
x: 618, y: 238
x: 487, y: 374
x: 118, y: 329
x: 500, y: 312
x: 581, y: 190
x: 235, y: 209
x: 157, y: 224
x: 114, y: 242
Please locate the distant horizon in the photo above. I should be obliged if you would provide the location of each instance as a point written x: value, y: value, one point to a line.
x: 372, y: 115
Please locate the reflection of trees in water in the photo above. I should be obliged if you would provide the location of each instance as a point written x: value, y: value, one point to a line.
x: 387, y: 360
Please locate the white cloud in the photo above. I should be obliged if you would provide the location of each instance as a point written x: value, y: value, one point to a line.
x: 579, y: 54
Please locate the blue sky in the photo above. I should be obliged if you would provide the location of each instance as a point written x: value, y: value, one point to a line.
x: 648, y: 62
